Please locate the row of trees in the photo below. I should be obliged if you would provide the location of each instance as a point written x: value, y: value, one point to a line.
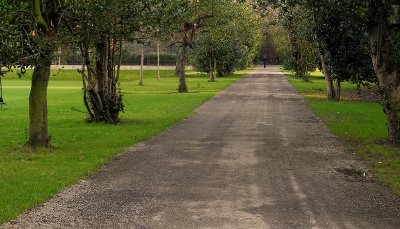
x: 32, y: 31
x: 358, y: 41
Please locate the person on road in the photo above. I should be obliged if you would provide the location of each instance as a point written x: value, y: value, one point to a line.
x: 264, y: 59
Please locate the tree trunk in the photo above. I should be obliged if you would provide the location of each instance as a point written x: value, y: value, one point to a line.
x: 38, y: 128
x: 85, y: 81
x: 38, y: 121
x: 330, y: 89
x: 59, y: 56
x: 141, y: 66
x: 1, y: 92
x: 181, y: 62
x: 212, y: 69
x: 386, y: 68
x: 338, y: 90
x: 101, y: 98
x: 178, y: 65
x: 158, y: 61
x: 101, y: 73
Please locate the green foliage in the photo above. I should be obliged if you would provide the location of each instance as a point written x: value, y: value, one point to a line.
x: 338, y: 27
x: 232, y: 39
x: 16, y: 40
x: 342, y: 33
x: 304, y: 56
x: 28, y: 178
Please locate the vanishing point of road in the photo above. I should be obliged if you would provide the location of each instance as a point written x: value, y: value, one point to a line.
x: 253, y: 156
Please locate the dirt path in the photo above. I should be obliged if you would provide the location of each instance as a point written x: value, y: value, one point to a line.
x: 252, y: 157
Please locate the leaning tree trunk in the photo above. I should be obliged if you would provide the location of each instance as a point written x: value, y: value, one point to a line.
x: 386, y: 68
x: 38, y: 128
x: 180, y: 67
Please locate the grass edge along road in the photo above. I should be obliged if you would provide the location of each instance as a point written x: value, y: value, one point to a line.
x: 28, y: 178
x: 360, y: 125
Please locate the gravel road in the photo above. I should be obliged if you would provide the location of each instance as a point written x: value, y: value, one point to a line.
x: 253, y: 156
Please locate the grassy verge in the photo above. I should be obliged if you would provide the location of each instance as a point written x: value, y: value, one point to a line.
x: 28, y: 178
x: 360, y: 125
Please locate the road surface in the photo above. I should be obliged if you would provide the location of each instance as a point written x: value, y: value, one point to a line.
x: 254, y: 156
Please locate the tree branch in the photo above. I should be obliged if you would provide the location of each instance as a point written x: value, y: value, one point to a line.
x: 37, y: 15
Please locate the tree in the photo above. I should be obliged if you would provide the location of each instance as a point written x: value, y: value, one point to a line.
x: 30, y: 38
x: 337, y: 33
x: 99, y: 29
x: 185, y: 19
x: 384, y: 34
x: 341, y: 34
x: 232, y: 40
x: 91, y: 25
x: 297, y: 20
x: 47, y: 27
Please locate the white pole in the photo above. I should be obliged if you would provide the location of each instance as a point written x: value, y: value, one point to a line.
x: 141, y: 66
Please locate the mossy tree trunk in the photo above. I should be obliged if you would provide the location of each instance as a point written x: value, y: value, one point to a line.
x: 38, y: 125
x: 386, y: 65
x: 38, y: 118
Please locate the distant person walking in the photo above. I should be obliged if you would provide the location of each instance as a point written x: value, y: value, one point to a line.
x: 264, y: 59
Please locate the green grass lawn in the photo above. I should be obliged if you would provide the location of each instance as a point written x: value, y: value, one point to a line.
x: 29, y: 177
x: 360, y: 125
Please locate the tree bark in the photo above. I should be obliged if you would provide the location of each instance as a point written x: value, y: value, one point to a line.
x: 38, y: 125
x: 178, y: 65
x: 1, y: 92
x: 38, y: 119
x: 330, y: 89
x: 385, y: 66
x: 181, y: 62
x: 101, y: 74
x: 212, y: 69
x: 338, y: 90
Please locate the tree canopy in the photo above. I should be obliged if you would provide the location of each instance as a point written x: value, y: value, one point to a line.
x: 231, y: 40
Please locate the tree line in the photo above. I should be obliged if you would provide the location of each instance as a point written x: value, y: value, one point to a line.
x: 31, y: 32
x: 357, y: 41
